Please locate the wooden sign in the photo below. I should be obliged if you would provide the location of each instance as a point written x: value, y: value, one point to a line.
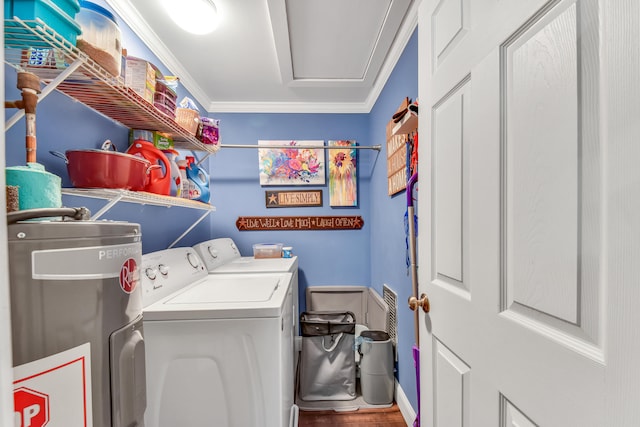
x: 253, y: 223
x: 293, y: 199
x: 396, y: 156
x: 396, y: 164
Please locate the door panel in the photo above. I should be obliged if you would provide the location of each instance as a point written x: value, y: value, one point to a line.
x: 448, y: 125
x: 452, y: 380
x: 522, y: 168
x: 541, y: 151
x: 549, y: 190
x: 450, y: 22
x: 512, y: 417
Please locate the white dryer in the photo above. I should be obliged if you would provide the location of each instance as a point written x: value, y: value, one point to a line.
x: 218, y: 347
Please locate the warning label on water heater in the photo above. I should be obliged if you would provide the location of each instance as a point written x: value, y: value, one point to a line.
x: 54, y: 391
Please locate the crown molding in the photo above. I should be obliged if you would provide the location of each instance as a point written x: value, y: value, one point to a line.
x: 289, y: 107
x: 402, y: 38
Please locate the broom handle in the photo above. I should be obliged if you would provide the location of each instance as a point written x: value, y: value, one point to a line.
x: 412, y: 250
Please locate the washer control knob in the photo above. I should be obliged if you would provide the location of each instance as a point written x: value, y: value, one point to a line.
x: 164, y: 270
x: 193, y: 260
x: 212, y: 252
x: 151, y: 273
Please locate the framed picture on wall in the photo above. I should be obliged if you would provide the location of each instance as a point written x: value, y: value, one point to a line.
x: 343, y: 174
x: 290, y: 163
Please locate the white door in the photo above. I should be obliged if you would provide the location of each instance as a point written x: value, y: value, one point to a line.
x: 529, y: 211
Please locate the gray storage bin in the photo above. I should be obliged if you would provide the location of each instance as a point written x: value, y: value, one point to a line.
x: 364, y: 302
x: 376, y: 367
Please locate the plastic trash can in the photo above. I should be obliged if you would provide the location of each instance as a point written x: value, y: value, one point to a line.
x: 376, y: 367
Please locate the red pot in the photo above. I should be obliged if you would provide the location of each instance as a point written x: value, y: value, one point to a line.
x: 106, y: 169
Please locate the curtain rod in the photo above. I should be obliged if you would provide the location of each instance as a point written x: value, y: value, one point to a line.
x: 326, y: 147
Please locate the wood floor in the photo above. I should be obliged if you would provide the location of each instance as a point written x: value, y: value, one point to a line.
x: 384, y: 417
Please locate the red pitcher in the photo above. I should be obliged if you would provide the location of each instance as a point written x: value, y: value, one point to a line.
x: 159, y: 178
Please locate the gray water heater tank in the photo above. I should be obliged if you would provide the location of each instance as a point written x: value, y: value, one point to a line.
x: 74, y: 282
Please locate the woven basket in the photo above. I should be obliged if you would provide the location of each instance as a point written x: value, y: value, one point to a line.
x: 188, y: 119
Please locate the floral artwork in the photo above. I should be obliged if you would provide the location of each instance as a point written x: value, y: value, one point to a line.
x: 293, y: 164
x: 343, y: 178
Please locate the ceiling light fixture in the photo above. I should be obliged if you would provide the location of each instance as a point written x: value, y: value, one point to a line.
x: 194, y: 16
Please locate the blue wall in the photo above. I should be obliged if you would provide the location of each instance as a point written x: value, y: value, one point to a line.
x: 388, y: 247
x: 325, y: 257
x: 372, y: 256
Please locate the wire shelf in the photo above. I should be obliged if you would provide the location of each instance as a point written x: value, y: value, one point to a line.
x: 34, y: 47
x: 138, y: 197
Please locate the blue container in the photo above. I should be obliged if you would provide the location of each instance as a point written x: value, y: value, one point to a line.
x: 70, y: 7
x: 198, y: 183
x: 59, y: 15
x: 37, y: 188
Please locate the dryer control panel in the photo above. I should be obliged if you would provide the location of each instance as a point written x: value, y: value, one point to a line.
x: 164, y: 272
x: 217, y: 252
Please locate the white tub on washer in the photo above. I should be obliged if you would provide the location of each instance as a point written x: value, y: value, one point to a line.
x: 222, y: 256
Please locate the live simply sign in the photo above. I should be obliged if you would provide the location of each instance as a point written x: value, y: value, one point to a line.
x: 253, y: 223
x: 291, y: 199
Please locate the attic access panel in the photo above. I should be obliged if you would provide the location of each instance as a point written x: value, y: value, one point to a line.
x: 319, y: 30
x: 335, y: 41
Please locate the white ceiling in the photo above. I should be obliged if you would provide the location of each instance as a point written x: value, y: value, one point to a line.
x: 316, y: 56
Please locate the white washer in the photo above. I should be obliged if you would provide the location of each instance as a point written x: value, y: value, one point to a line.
x: 218, y: 347
x: 221, y: 256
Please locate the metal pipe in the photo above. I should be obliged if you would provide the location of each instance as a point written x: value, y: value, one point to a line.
x: 79, y: 214
x: 45, y: 91
x: 325, y: 147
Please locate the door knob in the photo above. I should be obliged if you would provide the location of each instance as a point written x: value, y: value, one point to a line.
x: 423, y: 302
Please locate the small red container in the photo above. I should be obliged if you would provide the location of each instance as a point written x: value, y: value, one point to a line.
x: 160, y: 177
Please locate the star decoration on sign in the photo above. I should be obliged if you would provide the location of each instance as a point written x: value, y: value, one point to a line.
x: 241, y: 224
x: 273, y: 199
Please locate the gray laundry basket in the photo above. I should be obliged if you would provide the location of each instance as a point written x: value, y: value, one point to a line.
x: 327, y: 360
x: 376, y: 368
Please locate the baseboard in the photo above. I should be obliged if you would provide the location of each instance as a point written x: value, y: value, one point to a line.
x: 407, y: 411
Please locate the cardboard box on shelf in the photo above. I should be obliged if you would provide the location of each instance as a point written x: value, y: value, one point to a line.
x: 140, y: 75
x: 159, y: 140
